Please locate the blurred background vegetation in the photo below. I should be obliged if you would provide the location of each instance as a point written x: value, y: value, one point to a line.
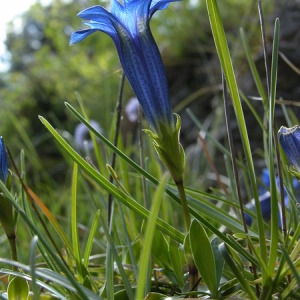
x: 45, y: 72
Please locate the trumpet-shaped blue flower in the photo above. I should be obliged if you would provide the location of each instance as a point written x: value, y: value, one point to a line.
x: 289, y: 139
x: 3, y: 161
x: 127, y: 24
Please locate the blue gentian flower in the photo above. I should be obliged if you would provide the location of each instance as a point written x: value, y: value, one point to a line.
x: 127, y: 24
x: 289, y: 139
x: 265, y: 198
x: 265, y: 204
x: 3, y: 161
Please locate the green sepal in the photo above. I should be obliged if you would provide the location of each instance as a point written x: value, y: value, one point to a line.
x: 170, y: 151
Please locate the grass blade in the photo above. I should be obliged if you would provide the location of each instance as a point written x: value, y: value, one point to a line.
x: 148, y: 239
x: 225, y: 60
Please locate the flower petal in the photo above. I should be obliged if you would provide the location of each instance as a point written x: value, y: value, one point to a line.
x: 159, y: 5
x: 78, y: 36
x: 289, y: 139
x: 94, y: 13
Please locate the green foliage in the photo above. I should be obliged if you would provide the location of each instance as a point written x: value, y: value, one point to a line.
x: 203, y: 256
x: 18, y: 289
x: 67, y: 245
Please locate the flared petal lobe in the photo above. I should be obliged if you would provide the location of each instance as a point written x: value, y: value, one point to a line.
x: 128, y: 25
x: 289, y: 139
x: 3, y: 162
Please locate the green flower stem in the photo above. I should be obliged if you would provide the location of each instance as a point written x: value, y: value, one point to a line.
x: 185, y: 208
x: 171, y: 153
x: 193, y: 271
x: 13, y: 249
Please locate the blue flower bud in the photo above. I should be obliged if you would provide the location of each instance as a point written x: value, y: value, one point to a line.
x: 289, y: 139
x: 3, y: 162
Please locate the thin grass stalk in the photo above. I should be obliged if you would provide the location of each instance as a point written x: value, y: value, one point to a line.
x: 216, y: 143
x: 233, y: 155
x: 115, y: 142
x: 193, y: 271
x: 142, y: 158
x: 211, y: 164
x: 254, y: 112
x: 254, y: 71
x: 273, y: 186
x: 124, y: 225
x: 75, y: 239
x: 236, y: 175
x: 89, y: 243
x: 281, y: 188
x: 130, y: 249
x: 264, y: 43
x: 110, y: 208
x: 225, y: 60
x: 109, y: 265
x: 277, y: 152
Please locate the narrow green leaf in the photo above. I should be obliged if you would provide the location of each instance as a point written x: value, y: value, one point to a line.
x: 32, y: 258
x: 148, y: 239
x: 225, y: 60
x: 160, y: 250
x: 236, y: 271
x: 75, y: 239
x: 219, y: 260
x: 272, y: 145
x: 177, y: 261
x: 291, y: 265
x: 89, y: 244
x: 255, y: 74
x: 203, y: 256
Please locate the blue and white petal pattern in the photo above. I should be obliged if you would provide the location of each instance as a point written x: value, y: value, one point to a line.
x: 289, y: 139
x: 127, y: 24
x: 3, y: 161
